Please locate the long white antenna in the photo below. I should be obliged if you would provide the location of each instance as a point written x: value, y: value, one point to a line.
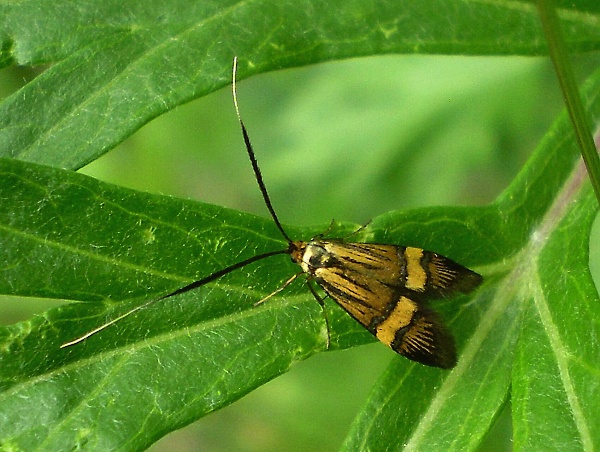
x: 226, y: 270
x: 107, y: 324
x: 234, y: 89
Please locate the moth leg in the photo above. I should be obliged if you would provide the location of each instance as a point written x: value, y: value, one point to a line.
x: 283, y: 286
x: 343, y: 239
x: 326, y: 231
x: 357, y: 231
x: 322, y: 303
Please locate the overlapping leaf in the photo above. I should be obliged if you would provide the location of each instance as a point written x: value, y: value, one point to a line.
x: 526, y: 324
x: 118, y: 66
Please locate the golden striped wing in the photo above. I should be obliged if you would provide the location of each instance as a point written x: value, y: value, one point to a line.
x: 385, y: 288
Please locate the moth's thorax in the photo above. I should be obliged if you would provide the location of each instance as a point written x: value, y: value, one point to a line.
x: 312, y: 255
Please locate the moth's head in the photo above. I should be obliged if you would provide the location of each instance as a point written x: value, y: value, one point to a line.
x: 296, y: 250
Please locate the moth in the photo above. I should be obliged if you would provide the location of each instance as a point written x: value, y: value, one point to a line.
x: 385, y: 288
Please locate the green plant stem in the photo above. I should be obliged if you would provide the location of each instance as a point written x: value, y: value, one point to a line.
x: 559, y: 56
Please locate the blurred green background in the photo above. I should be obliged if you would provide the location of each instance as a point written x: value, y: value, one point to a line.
x: 347, y: 140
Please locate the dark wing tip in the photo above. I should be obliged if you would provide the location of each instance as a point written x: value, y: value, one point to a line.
x: 468, y: 281
x: 427, y: 341
x: 448, y: 277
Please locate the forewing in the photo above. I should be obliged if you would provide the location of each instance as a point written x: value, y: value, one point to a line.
x: 429, y: 274
x: 363, y: 279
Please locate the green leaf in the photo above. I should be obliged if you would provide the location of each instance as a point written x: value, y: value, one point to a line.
x: 566, y: 78
x: 109, y: 241
x: 152, y: 245
x: 118, y: 66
